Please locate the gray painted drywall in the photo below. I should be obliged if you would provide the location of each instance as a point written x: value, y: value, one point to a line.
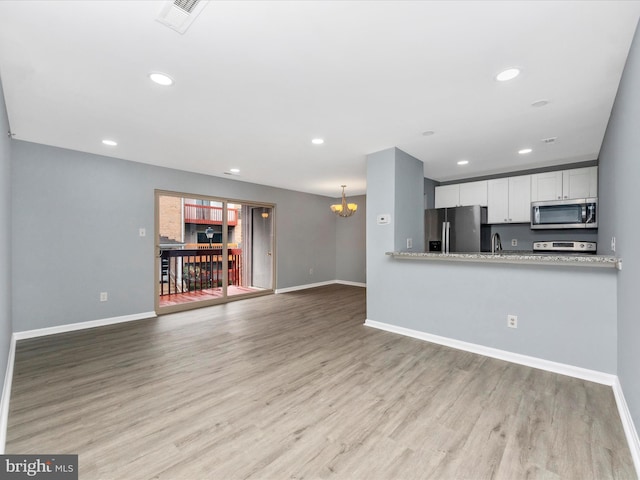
x: 565, y: 315
x: 380, y: 238
x: 619, y: 180
x: 5, y: 238
x: 351, y: 245
x: 430, y: 193
x: 408, y: 201
x: 75, y: 233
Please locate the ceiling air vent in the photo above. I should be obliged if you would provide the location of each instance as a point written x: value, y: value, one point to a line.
x: 178, y: 15
x: 186, y: 5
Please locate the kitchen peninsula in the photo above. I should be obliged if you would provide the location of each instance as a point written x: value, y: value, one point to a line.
x: 565, y: 303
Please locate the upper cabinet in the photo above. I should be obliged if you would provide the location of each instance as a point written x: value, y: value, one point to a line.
x: 565, y: 184
x: 473, y: 193
x: 509, y: 200
x: 461, y: 194
x: 580, y: 182
x: 447, y: 196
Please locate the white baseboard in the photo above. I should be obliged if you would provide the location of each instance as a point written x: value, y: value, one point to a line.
x: 585, y: 374
x: 319, y: 284
x: 6, y: 395
x: 70, y: 327
x: 570, y: 370
x: 627, y: 423
x: 304, y: 287
x: 40, y: 332
x: 353, y: 284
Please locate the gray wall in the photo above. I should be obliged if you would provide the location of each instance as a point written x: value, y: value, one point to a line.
x: 380, y: 238
x: 430, y: 193
x: 351, y: 245
x: 75, y: 233
x: 574, y: 324
x: 619, y: 180
x: 5, y: 238
x: 408, y: 202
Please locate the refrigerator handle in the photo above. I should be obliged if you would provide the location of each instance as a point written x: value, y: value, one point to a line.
x: 445, y: 237
x: 448, y: 237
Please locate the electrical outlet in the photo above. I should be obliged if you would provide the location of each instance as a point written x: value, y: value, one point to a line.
x: 514, y: 242
x: 104, y: 296
x: 311, y: 271
x: 512, y: 321
x: 613, y: 244
x: 409, y: 242
x: 142, y: 232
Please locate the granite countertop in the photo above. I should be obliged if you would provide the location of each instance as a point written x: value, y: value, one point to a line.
x: 516, y: 257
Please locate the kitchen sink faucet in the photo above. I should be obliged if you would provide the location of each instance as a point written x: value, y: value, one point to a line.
x: 496, y: 243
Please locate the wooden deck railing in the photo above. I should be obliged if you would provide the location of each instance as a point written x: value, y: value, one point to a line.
x: 204, y: 246
x: 198, y: 269
x: 206, y: 215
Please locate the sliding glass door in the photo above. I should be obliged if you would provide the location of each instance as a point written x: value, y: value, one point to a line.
x: 211, y: 249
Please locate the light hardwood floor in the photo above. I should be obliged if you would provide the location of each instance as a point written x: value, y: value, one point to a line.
x: 293, y: 386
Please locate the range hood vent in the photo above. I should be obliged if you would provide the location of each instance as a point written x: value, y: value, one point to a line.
x: 178, y: 15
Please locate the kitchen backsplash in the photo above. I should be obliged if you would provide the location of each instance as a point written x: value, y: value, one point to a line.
x: 525, y: 236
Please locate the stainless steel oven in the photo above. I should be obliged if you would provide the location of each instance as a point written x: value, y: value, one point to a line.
x: 575, y: 213
x: 564, y: 246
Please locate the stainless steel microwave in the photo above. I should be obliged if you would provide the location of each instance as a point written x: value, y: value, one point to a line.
x: 574, y: 213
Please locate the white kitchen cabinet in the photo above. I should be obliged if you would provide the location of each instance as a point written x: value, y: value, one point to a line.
x: 509, y: 199
x: 580, y: 183
x: 546, y: 186
x: 473, y: 193
x: 565, y: 184
x: 498, y: 196
x: 520, y: 199
x: 447, y: 196
x: 461, y: 194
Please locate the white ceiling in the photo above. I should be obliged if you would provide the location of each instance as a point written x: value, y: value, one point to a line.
x: 256, y: 81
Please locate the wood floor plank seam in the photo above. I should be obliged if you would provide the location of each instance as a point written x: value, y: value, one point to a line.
x: 294, y: 386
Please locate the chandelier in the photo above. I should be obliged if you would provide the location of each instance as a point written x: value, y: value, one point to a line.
x: 344, y: 209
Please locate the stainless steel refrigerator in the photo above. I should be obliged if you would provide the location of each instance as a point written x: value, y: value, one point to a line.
x: 459, y: 229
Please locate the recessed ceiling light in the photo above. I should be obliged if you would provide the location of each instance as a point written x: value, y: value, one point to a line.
x: 508, y: 74
x: 524, y: 151
x: 428, y: 133
x: 111, y: 143
x: 540, y: 103
x: 234, y: 170
x: 463, y: 162
x: 317, y: 141
x: 161, y: 79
